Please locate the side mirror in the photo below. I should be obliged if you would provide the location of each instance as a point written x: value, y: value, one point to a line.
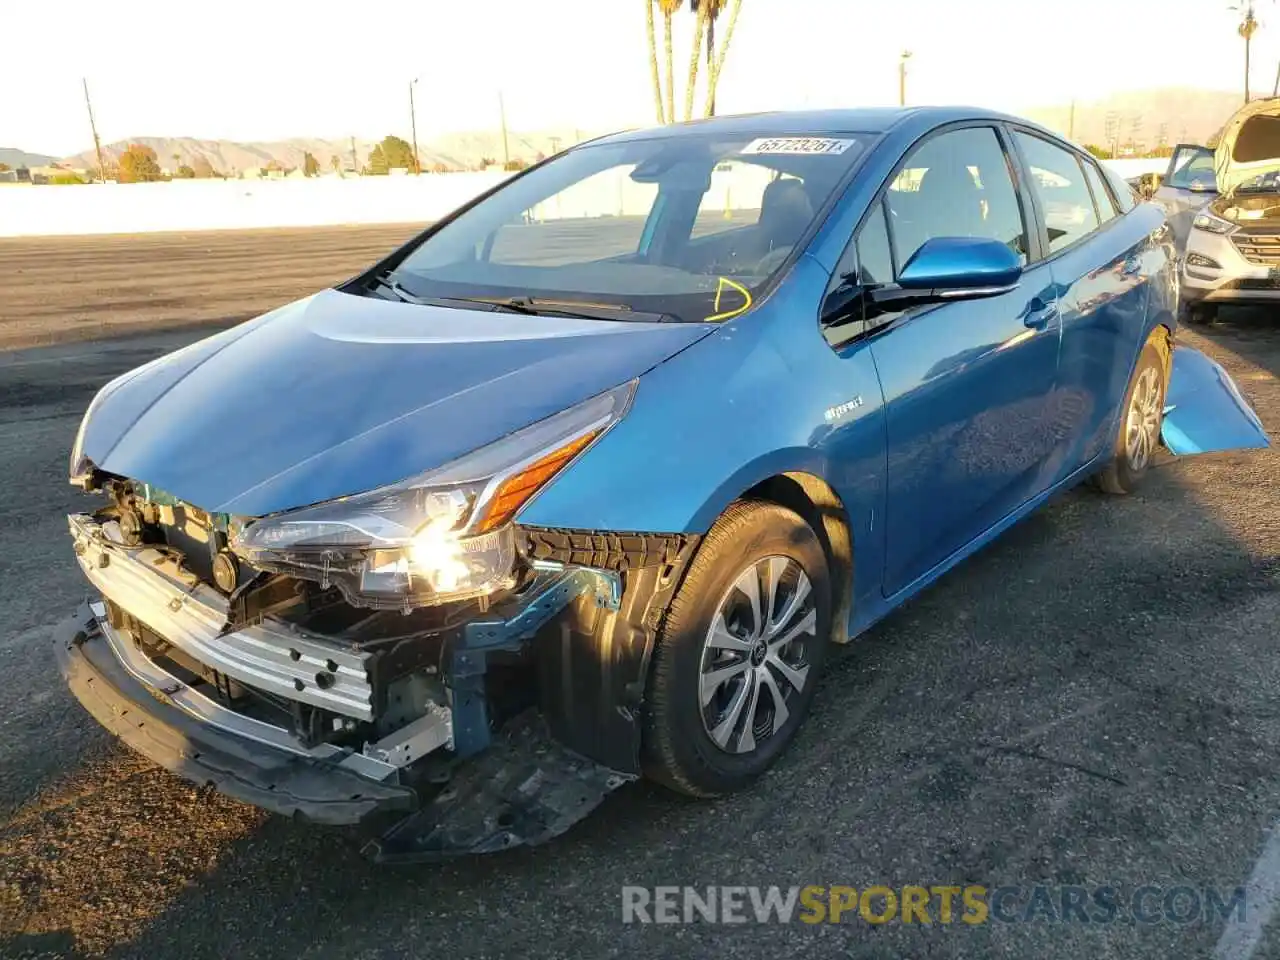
x: 957, y: 268
x: 942, y: 270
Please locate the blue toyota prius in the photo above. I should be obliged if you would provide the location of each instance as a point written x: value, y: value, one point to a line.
x: 581, y: 483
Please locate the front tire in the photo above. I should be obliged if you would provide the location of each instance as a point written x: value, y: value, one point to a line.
x: 738, y: 657
x: 1138, y: 434
x: 1197, y: 314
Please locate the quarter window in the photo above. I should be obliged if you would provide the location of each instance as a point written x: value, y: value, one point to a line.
x: 956, y: 184
x: 1101, y: 196
x: 875, y: 262
x: 1058, y: 181
x: 1125, y: 197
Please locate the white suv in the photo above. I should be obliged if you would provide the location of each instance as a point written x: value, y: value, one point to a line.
x: 1226, y: 202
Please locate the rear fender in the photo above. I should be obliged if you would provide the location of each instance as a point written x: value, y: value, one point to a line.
x: 1204, y: 409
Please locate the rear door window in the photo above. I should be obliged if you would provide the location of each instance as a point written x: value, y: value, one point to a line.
x: 1059, y: 184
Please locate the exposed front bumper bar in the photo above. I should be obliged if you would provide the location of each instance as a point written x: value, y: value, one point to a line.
x: 276, y: 776
x: 525, y: 789
x: 148, y: 583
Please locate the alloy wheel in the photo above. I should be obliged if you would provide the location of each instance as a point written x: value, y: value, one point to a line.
x: 1142, y: 423
x: 755, y: 658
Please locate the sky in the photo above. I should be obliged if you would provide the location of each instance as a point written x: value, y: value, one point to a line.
x: 281, y: 68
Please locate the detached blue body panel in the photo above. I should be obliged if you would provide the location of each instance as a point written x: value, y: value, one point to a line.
x: 1204, y: 410
x: 936, y: 431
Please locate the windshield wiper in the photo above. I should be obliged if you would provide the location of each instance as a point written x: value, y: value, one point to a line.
x: 527, y: 306
x: 579, y: 309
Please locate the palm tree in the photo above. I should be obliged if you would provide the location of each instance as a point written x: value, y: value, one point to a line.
x: 1247, y: 28
x: 668, y: 8
x: 715, y: 61
x: 653, y: 59
x: 701, y: 12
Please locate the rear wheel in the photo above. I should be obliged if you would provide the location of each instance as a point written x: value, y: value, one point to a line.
x: 1138, y: 434
x: 738, y: 657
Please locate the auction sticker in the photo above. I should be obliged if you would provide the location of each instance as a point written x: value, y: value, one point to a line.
x: 814, y: 145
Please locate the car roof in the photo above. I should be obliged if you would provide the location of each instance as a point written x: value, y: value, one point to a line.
x: 873, y: 120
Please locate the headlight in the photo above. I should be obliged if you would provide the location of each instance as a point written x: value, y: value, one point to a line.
x: 443, y: 535
x: 1211, y: 224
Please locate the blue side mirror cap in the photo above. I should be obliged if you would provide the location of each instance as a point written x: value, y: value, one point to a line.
x: 961, y: 264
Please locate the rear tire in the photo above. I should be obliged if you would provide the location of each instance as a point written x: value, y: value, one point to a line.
x: 738, y: 657
x: 1138, y: 433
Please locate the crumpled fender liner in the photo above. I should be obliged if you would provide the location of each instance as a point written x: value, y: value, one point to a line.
x: 606, y: 551
x: 593, y: 662
x: 525, y: 789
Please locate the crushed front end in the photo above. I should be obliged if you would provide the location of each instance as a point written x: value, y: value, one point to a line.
x: 410, y: 660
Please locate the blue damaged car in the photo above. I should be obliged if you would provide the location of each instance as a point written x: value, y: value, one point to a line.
x: 583, y: 482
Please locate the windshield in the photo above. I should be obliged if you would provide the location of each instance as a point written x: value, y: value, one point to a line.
x: 688, y: 227
x: 1192, y: 169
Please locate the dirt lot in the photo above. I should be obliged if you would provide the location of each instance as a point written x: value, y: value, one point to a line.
x: 57, y: 289
x: 1092, y: 700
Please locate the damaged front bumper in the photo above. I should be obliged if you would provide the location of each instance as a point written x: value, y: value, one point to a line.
x: 155, y: 658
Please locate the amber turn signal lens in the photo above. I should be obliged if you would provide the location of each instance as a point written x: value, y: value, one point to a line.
x: 516, y: 490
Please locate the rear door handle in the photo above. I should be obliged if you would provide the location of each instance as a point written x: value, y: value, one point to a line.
x: 1039, y: 314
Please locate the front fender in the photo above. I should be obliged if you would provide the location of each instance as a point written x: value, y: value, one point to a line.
x: 1204, y: 409
x: 696, y: 421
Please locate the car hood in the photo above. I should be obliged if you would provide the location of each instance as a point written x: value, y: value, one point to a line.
x: 1248, y: 145
x: 337, y: 394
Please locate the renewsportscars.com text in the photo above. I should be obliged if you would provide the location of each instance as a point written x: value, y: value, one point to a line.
x: 943, y: 904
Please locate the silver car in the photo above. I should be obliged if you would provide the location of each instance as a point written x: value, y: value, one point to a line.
x: 1232, y: 246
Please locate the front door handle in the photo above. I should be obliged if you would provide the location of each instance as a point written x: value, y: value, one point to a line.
x: 1039, y: 314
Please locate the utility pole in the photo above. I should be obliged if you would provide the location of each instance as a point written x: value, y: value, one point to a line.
x: 1071, y: 122
x: 1112, y: 132
x: 502, y: 115
x: 413, y: 125
x: 97, y: 144
x: 902, y: 77
x: 355, y: 161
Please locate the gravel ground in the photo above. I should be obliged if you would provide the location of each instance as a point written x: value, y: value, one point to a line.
x: 1091, y: 700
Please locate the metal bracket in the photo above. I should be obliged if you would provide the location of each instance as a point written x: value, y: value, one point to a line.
x: 561, y: 586
x: 553, y: 589
x: 415, y: 740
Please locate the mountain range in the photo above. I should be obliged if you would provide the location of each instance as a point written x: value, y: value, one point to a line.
x: 20, y: 158
x: 1146, y: 117
x: 458, y: 151
x: 1172, y: 114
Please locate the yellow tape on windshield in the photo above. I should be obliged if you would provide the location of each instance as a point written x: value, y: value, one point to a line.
x: 729, y: 314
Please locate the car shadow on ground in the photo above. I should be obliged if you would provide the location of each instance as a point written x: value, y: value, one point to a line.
x: 1090, y: 700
